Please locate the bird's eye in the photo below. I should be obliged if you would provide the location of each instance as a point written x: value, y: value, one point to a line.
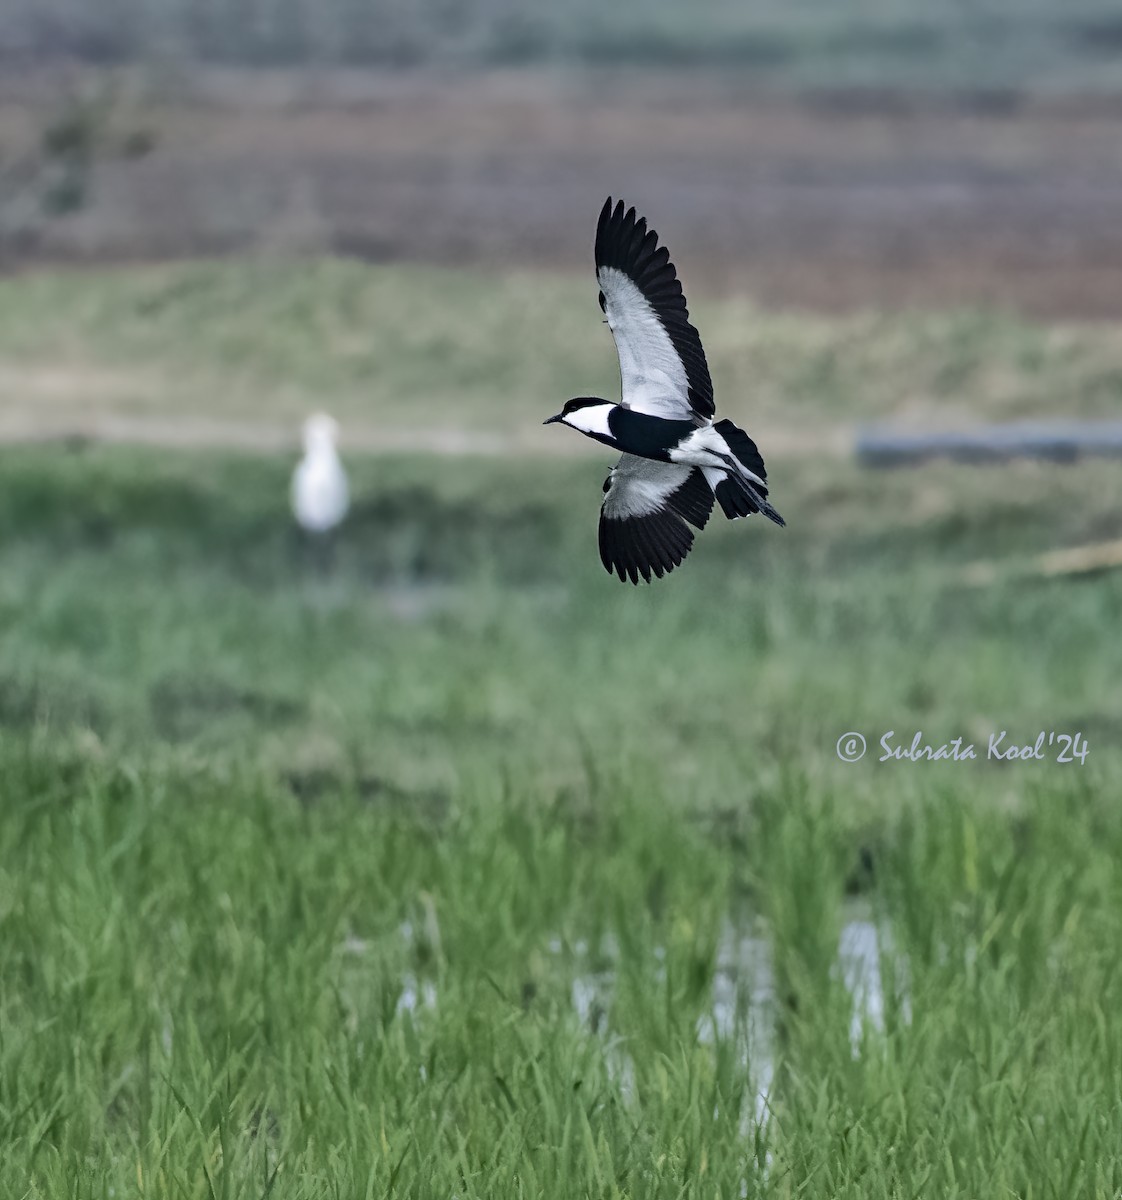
x: 603, y: 307
x: 607, y: 483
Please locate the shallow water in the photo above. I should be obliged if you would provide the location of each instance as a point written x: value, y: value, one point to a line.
x: 743, y: 1007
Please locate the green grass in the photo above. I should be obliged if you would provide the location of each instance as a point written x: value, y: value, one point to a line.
x: 302, y: 878
x: 396, y: 349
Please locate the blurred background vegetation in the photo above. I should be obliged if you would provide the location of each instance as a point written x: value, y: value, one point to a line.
x: 972, y: 45
x: 458, y: 868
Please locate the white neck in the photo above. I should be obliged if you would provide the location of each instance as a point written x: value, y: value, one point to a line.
x: 593, y: 419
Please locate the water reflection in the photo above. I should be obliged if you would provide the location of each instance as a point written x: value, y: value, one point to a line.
x: 743, y: 1010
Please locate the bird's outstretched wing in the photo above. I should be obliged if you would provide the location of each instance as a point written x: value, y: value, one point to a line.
x: 661, y: 360
x: 643, y: 517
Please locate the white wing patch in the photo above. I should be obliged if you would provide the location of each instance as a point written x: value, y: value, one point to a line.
x: 653, y: 376
x: 640, y: 486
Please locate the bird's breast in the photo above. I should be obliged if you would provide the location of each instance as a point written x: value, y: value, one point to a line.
x: 647, y: 436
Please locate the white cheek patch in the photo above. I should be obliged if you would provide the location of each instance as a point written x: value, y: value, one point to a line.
x: 593, y: 419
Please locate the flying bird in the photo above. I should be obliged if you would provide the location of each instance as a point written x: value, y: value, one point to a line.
x: 676, y: 458
x: 320, y: 496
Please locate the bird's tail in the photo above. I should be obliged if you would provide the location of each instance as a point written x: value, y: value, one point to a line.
x: 739, y: 498
x: 741, y: 493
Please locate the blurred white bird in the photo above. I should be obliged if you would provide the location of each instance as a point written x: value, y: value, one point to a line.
x: 320, y: 496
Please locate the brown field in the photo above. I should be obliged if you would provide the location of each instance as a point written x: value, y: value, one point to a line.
x: 869, y: 202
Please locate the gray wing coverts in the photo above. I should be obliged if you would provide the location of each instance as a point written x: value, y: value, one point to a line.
x: 643, y: 519
x: 625, y: 245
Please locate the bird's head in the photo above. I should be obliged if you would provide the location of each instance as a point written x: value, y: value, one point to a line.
x: 320, y: 432
x: 570, y: 414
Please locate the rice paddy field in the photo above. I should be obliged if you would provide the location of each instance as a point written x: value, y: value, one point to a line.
x: 449, y: 866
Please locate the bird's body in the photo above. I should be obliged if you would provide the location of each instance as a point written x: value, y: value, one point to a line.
x: 320, y: 496
x: 676, y: 459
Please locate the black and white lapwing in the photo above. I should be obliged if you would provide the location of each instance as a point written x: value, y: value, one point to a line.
x: 676, y: 459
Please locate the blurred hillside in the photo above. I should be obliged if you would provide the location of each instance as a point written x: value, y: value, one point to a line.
x: 983, y: 45
x: 796, y: 201
x: 808, y: 154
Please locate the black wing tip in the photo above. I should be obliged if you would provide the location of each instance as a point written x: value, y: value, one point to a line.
x: 624, y: 577
x: 602, y: 230
x: 641, y: 546
x: 616, y: 210
x: 620, y: 233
